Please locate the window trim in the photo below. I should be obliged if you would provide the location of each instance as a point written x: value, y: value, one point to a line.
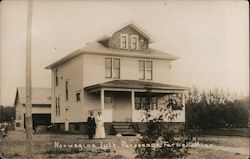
x: 108, y: 67
x: 58, y: 108
x: 150, y: 103
x: 126, y: 35
x: 145, y: 70
x: 56, y: 74
x: 113, y: 68
x: 151, y: 71
x: 137, y: 42
x: 119, y: 68
x: 66, y: 90
x: 78, y: 100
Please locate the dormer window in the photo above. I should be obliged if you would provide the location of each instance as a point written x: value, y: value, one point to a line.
x: 134, y: 42
x: 124, y: 41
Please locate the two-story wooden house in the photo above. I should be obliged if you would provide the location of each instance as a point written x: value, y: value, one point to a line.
x: 113, y: 74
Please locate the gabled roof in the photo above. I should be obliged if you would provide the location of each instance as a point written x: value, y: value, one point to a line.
x: 97, y: 48
x: 39, y: 95
x: 135, y: 84
x: 134, y: 26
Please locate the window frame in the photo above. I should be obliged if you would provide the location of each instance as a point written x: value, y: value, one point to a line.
x: 151, y: 70
x: 58, y: 111
x: 137, y: 42
x: 108, y: 58
x: 56, y: 79
x: 143, y: 69
x: 119, y: 68
x: 148, y: 105
x: 78, y: 93
x: 66, y: 90
x: 113, y: 68
x: 126, y: 41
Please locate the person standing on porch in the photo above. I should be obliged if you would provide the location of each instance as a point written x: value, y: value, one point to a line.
x: 91, y: 125
x: 100, y: 131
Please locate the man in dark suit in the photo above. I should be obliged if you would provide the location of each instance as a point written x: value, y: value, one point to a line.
x: 91, y: 125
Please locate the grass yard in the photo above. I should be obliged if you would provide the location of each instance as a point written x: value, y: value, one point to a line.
x: 52, y: 146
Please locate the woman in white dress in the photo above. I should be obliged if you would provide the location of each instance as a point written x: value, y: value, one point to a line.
x: 99, y: 132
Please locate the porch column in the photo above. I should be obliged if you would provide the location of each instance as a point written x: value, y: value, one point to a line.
x: 133, y: 100
x: 102, y: 100
x: 183, y: 99
x: 132, y: 103
x: 183, y: 103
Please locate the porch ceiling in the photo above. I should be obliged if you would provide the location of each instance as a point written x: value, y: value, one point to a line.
x: 134, y: 84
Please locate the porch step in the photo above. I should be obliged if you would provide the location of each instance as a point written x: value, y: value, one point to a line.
x: 124, y: 128
x: 122, y: 123
x: 129, y: 133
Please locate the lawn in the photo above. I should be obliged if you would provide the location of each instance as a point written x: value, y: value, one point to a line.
x: 79, y: 146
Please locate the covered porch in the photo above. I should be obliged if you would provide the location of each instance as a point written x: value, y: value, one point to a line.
x: 127, y: 100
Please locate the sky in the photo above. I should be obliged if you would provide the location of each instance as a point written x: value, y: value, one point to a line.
x: 209, y: 37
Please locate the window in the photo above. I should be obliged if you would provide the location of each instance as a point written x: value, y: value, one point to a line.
x: 112, y: 69
x: 56, y: 77
x: 57, y: 106
x: 116, y: 68
x: 18, y: 124
x: 67, y: 90
x: 108, y: 99
x: 134, y: 42
x: 124, y: 41
x: 144, y: 102
x: 149, y: 71
x: 137, y: 103
x: 154, y: 104
x: 145, y: 70
x: 108, y: 67
x: 78, y: 96
x: 141, y: 70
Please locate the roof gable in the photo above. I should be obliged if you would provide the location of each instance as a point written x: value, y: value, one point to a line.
x: 132, y: 25
x: 98, y: 47
x: 39, y: 95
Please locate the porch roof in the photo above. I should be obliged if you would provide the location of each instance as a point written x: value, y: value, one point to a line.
x: 134, y: 84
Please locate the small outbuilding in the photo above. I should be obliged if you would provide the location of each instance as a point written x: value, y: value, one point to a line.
x: 41, y: 107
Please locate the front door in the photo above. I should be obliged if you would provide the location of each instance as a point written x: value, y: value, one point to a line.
x: 122, y: 107
x: 108, y: 107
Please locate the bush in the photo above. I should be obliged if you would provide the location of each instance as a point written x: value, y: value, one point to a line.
x: 162, y: 140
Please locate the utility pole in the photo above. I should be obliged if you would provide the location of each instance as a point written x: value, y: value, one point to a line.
x: 28, y: 103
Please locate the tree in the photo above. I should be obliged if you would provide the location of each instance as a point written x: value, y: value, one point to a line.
x: 7, y: 113
x: 162, y: 140
x: 215, y: 109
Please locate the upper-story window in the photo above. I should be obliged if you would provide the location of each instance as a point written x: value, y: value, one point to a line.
x: 149, y: 70
x: 141, y: 70
x: 67, y: 90
x: 58, y: 106
x: 112, y: 68
x: 124, y: 41
x: 134, y: 42
x: 145, y: 70
x: 108, y: 67
x: 56, y: 77
x: 116, y: 68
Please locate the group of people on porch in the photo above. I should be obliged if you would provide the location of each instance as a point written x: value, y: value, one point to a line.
x: 95, y: 127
